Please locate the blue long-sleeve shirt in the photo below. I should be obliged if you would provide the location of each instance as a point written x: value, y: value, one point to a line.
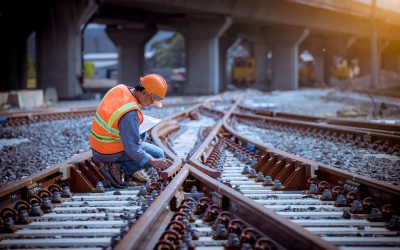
x: 129, y: 131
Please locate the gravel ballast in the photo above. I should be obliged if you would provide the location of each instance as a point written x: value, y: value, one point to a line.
x: 363, y: 161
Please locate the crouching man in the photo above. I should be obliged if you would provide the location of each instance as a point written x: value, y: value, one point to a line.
x: 114, y: 138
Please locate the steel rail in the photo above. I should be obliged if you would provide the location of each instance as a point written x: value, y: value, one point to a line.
x: 203, y: 150
x: 21, y: 118
x: 378, y: 191
x: 375, y: 127
x: 141, y: 235
x: 146, y: 231
x: 18, y: 189
x: 169, y: 125
x: 160, y: 130
x: 86, y: 208
x: 70, y: 173
x: 370, y: 186
x: 372, y: 136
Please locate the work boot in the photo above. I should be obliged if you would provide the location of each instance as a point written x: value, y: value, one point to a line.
x: 143, y: 174
x: 115, y: 172
x: 106, y: 184
x: 105, y: 173
x: 132, y: 183
x: 137, y: 177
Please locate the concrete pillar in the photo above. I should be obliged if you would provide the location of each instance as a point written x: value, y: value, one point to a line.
x: 328, y: 62
x: 14, y: 34
x: 260, y: 49
x: 285, y: 68
x: 319, y: 68
x: 130, y: 43
x: 225, y: 42
x: 390, y: 55
x: 13, y: 63
x: 367, y: 61
x: 364, y: 61
x: 202, y: 54
x: 391, y: 62
x: 375, y: 57
x: 59, y: 46
x: 375, y: 53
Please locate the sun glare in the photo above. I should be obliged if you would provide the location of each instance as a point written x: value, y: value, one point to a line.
x: 393, y: 5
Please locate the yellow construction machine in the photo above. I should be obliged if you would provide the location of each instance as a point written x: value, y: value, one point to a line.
x: 343, y: 71
x: 244, y: 71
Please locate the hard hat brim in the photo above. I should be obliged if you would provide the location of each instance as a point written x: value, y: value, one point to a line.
x: 158, y: 103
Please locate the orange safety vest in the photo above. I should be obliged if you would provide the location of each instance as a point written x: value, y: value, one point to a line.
x: 104, y: 135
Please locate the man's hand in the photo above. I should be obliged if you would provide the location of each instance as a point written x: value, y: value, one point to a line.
x: 161, y: 163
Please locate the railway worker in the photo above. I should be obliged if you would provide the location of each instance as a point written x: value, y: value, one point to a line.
x: 114, y: 138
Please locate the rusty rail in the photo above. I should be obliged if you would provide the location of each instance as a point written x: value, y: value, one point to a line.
x: 370, y: 186
x: 79, y: 173
x: 296, y: 173
x: 169, y: 125
x: 366, y: 136
x: 203, y: 150
x: 146, y: 231
x: 62, y: 170
x: 164, y: 128
x: 391, y: 129
x: 141, y: 236
x: 149, y: 226
x: 16, y: 119
x: 20, y: 189
x: 51, y: 114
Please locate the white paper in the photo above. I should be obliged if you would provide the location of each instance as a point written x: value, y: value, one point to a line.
x: 148, y: 123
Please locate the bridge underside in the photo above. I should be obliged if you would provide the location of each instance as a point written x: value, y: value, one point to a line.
x: 282, y: 28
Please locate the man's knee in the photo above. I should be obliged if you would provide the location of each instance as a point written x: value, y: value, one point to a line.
x: 159, y: 153
x: 154, y: 151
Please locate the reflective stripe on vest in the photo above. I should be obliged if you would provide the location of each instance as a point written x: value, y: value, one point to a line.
x: 108, y: 126
x: 104, y: 138
x: 104, y: 125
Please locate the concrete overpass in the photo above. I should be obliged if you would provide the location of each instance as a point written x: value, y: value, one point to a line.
x: 324, y: 28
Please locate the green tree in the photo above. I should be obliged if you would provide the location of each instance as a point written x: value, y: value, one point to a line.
x: 168, y: 52
x: 31, y: 73
x: 88, y: 69
x: 31, y: 68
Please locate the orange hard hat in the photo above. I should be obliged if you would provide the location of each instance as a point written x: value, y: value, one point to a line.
x: 156, y: 87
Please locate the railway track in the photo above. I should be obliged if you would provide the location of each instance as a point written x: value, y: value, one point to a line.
x: 24, y: 118
x: 185, y: 131
x: 180, y: 135
x: 67, y: 206
x: 361, y: 152
x: 10, y: 119
x: 197, y: 212
x: 95, y: 217
x: 23, y: 145
x: 348, y: 210
x: 301, y: 203
x: 375, y: 127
